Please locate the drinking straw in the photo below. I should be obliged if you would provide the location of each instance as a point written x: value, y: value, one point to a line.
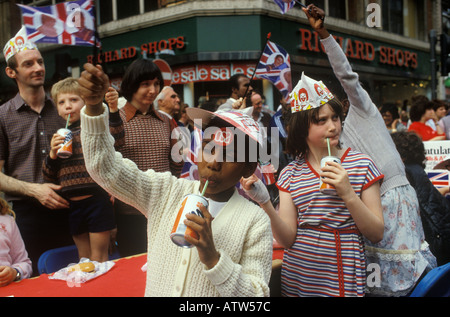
x: 329, y: 149
x: 204, y: 187
x: 67, y: 123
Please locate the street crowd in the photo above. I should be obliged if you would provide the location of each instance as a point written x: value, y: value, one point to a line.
x: 123, y: 183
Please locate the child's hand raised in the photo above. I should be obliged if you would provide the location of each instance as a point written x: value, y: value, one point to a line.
x: 316, y: 18
x: 112, y: 99
x: 255, y: 189
x: 205, y: 244
x: 94, y: 84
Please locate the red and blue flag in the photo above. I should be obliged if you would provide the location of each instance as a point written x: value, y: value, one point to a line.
x: 439, y: 178
x: 285, y: 6
x: 68, y: 23
x: 275, y: 66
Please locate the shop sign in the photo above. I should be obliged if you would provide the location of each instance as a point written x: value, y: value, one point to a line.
x: 210, y: 72
x: 113, y: 56
x: 436, y: 152
x: 146, y: 49
x: 361, y: 50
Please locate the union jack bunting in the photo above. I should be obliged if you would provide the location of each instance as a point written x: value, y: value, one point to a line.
x: 275, y: 66
x: 285, y: 6
x: 439, y: 178
x: 68, y: 23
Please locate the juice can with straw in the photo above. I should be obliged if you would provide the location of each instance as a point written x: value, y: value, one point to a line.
x: 325, y: 188
x: 65, y: 150
x: 190, y: 205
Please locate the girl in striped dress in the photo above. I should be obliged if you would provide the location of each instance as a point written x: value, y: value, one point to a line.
x: 323, y: 234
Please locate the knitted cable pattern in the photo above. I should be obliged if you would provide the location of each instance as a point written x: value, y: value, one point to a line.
x: 242, y: 233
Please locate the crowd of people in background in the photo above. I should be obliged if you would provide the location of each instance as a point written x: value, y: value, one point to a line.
x: 55, y: 202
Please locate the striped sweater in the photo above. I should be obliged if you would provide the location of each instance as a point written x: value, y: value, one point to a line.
x: 71, y: 173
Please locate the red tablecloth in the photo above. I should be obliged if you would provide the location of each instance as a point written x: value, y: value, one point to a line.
x: 125, y: 279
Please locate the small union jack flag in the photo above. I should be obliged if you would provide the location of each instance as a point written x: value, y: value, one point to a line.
x: 439, y: 178
x: 275, y: 66
x: 68, y: 23
x: 267, y: 173
x: 189, y: 170
x: 285, y: 6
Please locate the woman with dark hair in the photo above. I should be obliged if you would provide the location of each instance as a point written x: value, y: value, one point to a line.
x: 141, y: 72
x: 391, y: 118
x: 420, y: 113
x: 148, y: 143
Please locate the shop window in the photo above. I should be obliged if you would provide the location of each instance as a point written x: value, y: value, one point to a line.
x: 415, y: 19
x: 151, y: 5
x: 318, y: 3
x: 127, y: 8
x: 105, y: 13
x: 337, y: 9
x: 392, y: 11
x: 357, y: 11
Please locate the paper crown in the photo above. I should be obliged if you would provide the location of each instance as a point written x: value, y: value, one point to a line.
x: 17, y: 44
x: 309, y: 94
x: 238, y: 119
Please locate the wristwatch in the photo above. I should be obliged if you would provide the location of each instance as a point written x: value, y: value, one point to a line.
x: 18, y: 275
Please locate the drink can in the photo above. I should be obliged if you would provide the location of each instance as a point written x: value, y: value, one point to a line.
x: 65, y: 150
x: 325, y: 188
x: 190, y: 205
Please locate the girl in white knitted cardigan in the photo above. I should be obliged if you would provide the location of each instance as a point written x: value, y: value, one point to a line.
x: 233, y: 254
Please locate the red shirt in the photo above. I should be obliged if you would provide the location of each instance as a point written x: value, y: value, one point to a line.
x: 424, y: 131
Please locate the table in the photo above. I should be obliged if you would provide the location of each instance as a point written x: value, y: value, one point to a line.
x: 124, y: 279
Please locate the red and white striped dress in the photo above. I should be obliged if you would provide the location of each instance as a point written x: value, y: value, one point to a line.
x: 327, y: 258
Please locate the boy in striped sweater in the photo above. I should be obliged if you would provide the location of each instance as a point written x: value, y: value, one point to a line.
x: 91, y: 218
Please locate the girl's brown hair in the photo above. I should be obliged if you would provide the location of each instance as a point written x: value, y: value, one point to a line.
x: 5, y: 209
x: 298, y: 127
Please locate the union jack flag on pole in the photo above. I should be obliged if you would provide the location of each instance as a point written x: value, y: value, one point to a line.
x: 68, y: 23
x: 285, y: 5
x: 275, y: 66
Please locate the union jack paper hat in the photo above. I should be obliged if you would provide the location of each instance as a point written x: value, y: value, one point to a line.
x: 17, y: 44
x: 237, y: 119
x: 309, y: 94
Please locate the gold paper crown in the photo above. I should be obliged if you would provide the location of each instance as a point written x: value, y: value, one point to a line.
x: 309, y: 94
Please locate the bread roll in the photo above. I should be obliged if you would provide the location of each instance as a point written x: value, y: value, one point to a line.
x: 84, y: 267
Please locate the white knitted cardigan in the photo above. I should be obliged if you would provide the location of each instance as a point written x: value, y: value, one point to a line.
x: 242, y: 232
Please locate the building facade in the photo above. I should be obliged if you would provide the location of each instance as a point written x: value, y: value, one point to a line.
x: 206, y: 41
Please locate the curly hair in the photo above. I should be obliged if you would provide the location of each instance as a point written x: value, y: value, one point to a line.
x: 410, y: 147
x: 5, y: 209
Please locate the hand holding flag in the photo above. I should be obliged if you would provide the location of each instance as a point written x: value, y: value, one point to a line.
x: 286, y: 5
x: 275, y: 66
